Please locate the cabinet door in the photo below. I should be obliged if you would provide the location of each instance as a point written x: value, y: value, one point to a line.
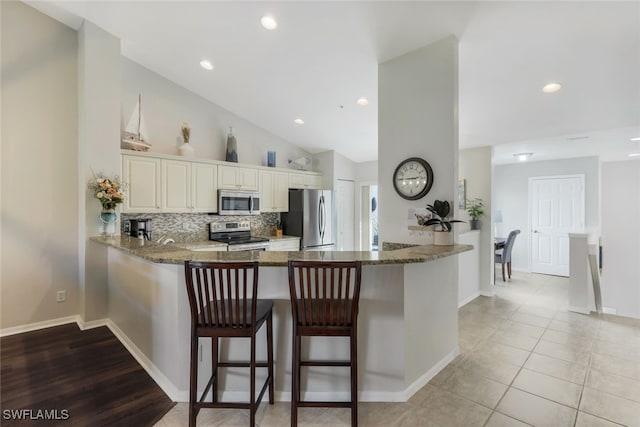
x: 204, y: 189
x: 281, y: 192
x: 296, y: 180
x: 266, y: 192
x: 248, y: 179
x: 313, y: 181
x: 142, y: 174
x: 284, y: 245
x: 228, y: 177
x: 176, y: 186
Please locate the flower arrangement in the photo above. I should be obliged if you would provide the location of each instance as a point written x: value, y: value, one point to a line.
x: 109, y: 191
x: 186, y: 132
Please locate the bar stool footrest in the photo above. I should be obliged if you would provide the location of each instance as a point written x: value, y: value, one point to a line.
x: 318, y: 404
x: 325, y: 363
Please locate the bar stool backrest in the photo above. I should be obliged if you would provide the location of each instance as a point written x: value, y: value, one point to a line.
x: 325, y: 294
x: 222, y: 295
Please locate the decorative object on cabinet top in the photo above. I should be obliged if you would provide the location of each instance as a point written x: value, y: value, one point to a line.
x: 135, y: 136
x: 232, y: 147
x: 186, y: 149
x: 301, y: 163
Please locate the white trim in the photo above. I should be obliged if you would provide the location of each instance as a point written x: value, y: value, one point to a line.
x: 427, y: 376
x: 609, y: 310
x: 581, y: 310
x: 91, y: 324
x: 165, y: 383
x: 38, y: 325
x: 491, y: 293
x: 468, y: 299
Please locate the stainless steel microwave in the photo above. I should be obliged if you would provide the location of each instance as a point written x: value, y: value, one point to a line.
x: 235, y: 202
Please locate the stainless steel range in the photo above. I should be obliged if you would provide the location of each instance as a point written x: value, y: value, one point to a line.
x: 237, y: 235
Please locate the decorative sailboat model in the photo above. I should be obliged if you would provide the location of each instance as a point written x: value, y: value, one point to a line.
x: 134, y: 136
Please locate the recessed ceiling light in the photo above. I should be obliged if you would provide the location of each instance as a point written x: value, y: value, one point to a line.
x: 522, y: 157
x: 552, y: 88
x: 298, y: 121
x: 363, y: 101
x: 206, y: 64
x: 634, y: 155
x: 635, y: 139
x: 268, y: 22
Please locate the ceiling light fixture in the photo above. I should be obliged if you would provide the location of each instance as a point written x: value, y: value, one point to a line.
x: 522, y: 157
x: 635, y: 139
x: 634, y: 155
x: 268, y: 22
x: 206, y: 64
x: 298, y: 121
x: 363, y: 101
x: 552, y: 88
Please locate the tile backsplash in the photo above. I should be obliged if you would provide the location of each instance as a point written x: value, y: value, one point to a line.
x: 195, y: 227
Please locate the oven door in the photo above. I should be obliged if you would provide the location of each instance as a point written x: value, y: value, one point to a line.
x: 238, y: 202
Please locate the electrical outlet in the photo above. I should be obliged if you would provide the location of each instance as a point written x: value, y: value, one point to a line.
x: 61, y: 296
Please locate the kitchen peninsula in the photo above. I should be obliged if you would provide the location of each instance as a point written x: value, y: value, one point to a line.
x: 408, y: 324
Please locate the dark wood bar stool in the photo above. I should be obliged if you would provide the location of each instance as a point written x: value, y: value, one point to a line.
x: 324, y: 302
x: 223, y: 302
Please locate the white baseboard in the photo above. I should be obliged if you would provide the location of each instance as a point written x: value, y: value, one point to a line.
x: 581, y: 310
x: 427, y: 376
x: 490, y: 293
x: 91, y: 324
x: 609, y: 310
x: 468, y: 299
x: 163, y: 382
x: 38, y: 325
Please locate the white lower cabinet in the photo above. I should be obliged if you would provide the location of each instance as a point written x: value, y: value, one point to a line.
x: 274, y: 191
x: 284, y: 245
x: 142, y: 176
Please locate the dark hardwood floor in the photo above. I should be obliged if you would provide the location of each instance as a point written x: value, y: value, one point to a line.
x: 89, y: 374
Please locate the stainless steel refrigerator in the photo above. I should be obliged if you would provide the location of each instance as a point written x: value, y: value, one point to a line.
x: 311, y: 217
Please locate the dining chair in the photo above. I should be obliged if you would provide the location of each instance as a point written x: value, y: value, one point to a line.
x: 503, y: 255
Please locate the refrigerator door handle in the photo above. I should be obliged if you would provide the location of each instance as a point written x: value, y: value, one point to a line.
x: 320, y: 217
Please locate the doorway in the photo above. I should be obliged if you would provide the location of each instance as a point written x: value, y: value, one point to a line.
x: 368, y: 208
x: 556, y: 207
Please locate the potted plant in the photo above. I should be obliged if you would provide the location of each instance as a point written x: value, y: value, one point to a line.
x: 475, y: 209
x: 443, y: 226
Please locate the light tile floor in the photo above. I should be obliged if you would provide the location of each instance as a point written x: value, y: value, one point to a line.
x: 525, y: 360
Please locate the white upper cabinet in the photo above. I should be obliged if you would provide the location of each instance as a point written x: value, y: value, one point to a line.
x: 142, y: 175
x: 204, y: 188
x: 237, y: 178
x: 304, y: 180
x: 176, y: 186
x: 274, y: 191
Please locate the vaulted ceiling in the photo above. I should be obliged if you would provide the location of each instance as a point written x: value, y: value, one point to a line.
x: 324, y: 55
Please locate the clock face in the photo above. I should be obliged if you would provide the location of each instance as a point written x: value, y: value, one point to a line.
x: 413, y: 178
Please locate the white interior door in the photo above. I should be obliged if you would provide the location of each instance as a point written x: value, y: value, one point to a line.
x: 345, y: 212
x: 556, y: 208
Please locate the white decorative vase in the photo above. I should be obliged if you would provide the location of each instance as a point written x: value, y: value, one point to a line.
x: 186, y: 150
x: 443, y: 238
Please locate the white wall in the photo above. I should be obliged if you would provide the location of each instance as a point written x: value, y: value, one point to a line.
x: 621, y: 237
x: 418, y: 99
x: 165, y: 105
x: 475, y: 167
x: 39, y: 188
x: 367, y: 171
x: 511, y: 196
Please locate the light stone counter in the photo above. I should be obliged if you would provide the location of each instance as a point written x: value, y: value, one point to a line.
x: 179, y: 253
x: 407, y: 323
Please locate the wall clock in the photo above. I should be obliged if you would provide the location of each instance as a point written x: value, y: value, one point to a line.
x: 413, y: 178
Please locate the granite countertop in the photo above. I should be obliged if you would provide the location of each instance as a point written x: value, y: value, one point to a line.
x: 179, y: 253
x: 271, y: 237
